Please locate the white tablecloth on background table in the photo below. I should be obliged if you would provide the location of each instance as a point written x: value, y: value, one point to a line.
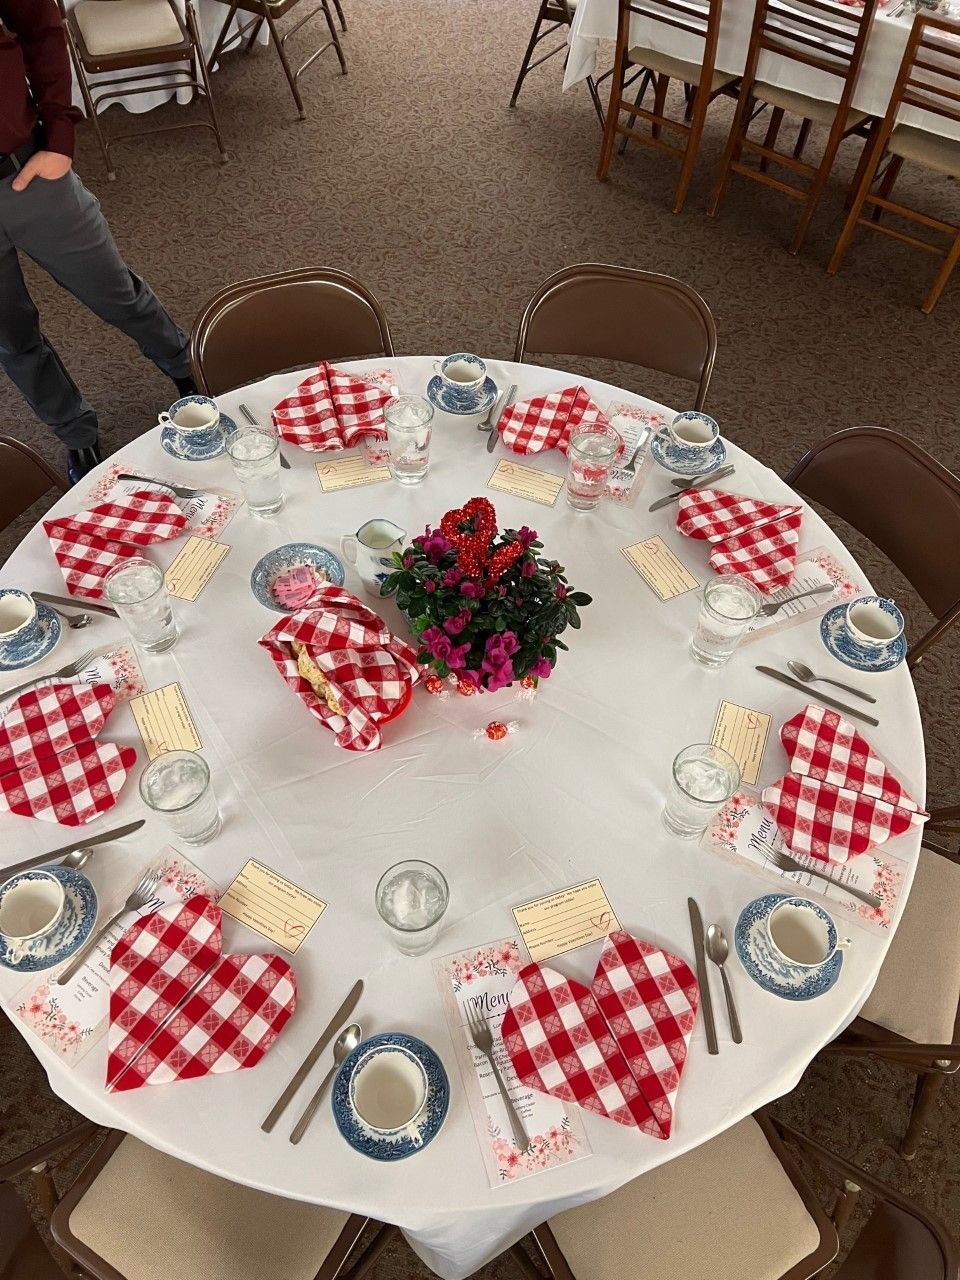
x: 576, y: 793
x: 596, y: 20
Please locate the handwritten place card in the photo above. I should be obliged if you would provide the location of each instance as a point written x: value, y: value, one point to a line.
x: 194, y: 567
x: 164, y: 721
x: 566, y: 920
x: 348, y: 472
x: 743, y: 733
x: 660, y: 568
x: 525, y: 482
x: 270, y: 905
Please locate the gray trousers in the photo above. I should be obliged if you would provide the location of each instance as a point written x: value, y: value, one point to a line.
x: 60, y: 226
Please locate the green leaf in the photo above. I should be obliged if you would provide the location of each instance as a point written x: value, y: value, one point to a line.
x: 580, y: 598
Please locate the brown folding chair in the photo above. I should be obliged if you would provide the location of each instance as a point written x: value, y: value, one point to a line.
x: 560, y: 14
x: 816, y: 33
x: 904, y: 501
x: 268, y: 11
x: 932, y: 47
x: 107, y: 36
x: 285, y: 321
x: 619, y: 313
x: 25, y: 476
x: 699, y: 18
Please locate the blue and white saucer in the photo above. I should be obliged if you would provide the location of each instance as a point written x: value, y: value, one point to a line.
x: 686, y: 461
x: 435, y: 1108
x: 764, y: 966
x: 488, y: 393
x: 71, y: 930
x: 50, y: 629
x: 211, y: 444
x: 270, y: 566
x: 837, y: 639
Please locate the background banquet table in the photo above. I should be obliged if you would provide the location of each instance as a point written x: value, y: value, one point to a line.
x: 575, y: 793
x: 596, y: 20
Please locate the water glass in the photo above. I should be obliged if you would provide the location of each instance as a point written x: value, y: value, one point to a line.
x: 727, y: 607
x: 255, y: 455
x: 411, y: 899
x: 590, y: 457
x: 177, y: 786
x: 137, y: 591
x: 409, y: 429
x: 704, y: 778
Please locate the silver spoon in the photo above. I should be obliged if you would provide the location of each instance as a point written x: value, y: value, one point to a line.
x: 803, y: 672
x: 345, y: 1043
x: 717, y: 950
x: 75, y: 621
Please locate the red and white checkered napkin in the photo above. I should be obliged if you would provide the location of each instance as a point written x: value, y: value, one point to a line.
x: 840, y: 799
x: 617, y: 1048
x: 332, y: 410
x: 43, y: 721
x: 546, y: 422
x: 370, y: 672
x: 754, y: 539
x: 138, y: 518
x: 85, y: 558
x: 227, y: 1024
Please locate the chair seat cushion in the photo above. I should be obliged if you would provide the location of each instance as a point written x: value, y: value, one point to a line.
x: 919, y: 984
x: 152, y: 1218
x: 798, y: 103
x: 677, y: 68
x: 726, y: 1210
x: 126, y: 26
x: 942, y: 154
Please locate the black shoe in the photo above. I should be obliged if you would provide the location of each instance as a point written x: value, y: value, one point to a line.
x: 186, y: 386
x: 82, y: 461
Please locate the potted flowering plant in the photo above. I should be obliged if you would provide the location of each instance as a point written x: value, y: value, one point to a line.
x: 484, y: 604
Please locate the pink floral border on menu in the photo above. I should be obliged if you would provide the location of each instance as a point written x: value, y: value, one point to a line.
x: 205, y: 519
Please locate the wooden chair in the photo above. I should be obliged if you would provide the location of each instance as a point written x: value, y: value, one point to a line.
x: 25, y: 476
x: 699, y: 18
x: 560, y: 14
x: 619, y: 313
x: 816, y: 33
x: 110, y: 36
x: 932, y: 47
x: 904, y: 501
x: 285, y: 321
x: 268, y: 11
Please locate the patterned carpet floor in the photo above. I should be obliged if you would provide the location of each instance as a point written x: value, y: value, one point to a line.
x: 412, y: 173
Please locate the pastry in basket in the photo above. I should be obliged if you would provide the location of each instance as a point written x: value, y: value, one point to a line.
x: 314, y: 677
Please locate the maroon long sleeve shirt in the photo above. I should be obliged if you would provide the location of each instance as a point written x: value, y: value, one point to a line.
x: 35, y: 79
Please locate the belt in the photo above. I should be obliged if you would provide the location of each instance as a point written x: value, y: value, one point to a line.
x: 14, y: 162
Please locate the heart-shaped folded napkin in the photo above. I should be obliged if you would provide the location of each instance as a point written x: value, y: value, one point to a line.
x: 44, y: 721
x: 753, y: 539
x: 227, y: 1024
x: 547, y: 422
x: 71, y: 787
x: 138, y: 518
x: 85, y: 558
x: 332, y: 410
x: 617, y: 1048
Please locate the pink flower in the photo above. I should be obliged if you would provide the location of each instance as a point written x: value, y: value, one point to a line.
x: 438, y: 643
x: 434, y: 545
x: 473, y: 590
x: 541, y: 668
x: 526, y: 535
x: 469, y: 676
x: 453, y: 626
x: 429, y: 586
x: 452, y: 577
x: 408, y: 561
x: 561, y: 592
x: 457, y: 657
x: 528, y: 568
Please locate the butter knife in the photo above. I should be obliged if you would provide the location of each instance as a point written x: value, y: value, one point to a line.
x: 74, y: 602
x: 335, y: 1023
x: 699, y: 483
x: 181, y: 490
x: 706, y: 1004
x: 81, y: 842
x: 817, y: 696
x: 254, y: 423
x: 495, y: 429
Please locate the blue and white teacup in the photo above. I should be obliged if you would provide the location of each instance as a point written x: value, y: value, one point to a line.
x: 21, y: 631
x: 462, y: 377
x: 692, y: 435
x: 802, y: 934
x: 388, y: 1093
x: 873, y: 623
x: 31, y: 904
x: 195, y: 421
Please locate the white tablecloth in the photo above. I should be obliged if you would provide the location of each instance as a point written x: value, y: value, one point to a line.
x: 596, y: 20
x: 576, y: 793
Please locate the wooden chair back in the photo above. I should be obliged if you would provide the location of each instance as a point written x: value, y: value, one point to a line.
x: 822, y: 34
x: 620, y: 313
x: 25, y: 476
x: 285, y: 321
x: 929, y: 75
x: 699, y: 18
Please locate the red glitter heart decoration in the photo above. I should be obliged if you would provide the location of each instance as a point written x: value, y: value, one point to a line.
x: 473, y: 542
x: 501, y: 560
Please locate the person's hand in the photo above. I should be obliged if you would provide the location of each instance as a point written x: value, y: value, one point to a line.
x: 45, y: 164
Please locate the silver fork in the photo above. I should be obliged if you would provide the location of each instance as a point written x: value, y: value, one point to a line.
x: 482, y: 1037
x: 785, y: 862
x: 65, y: 673
x: 136, y: 902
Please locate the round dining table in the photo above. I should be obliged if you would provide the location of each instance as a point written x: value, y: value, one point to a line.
x: 574, y: 793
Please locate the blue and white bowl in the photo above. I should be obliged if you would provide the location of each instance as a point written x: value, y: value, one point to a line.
x: 281, y: 559
x: 400, y: 1145
x: 195, y: 444
x: 439, y: 396
x: 767, y: 967
x: 28, y: 629
x: 69, y: 933
x: 839, y: 640
x: 686, y: 460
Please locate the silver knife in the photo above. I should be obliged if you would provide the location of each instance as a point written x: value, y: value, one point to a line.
x: 495, y: 429
x: 181, y: 490
x: 74, y: 602
x: 706, y: 1004
x: 254, y: 423
x: 699, y: 483
x: 335, y: 1023
x: 81, y: 842
x: 817, y: 696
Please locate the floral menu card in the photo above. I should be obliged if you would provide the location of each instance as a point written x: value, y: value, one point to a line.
x: 481, y: 979
x: 816, y: 568
x: 72, y: 1018
x: 208, y: 512
x: 118, y: 668
x: 636, y: 426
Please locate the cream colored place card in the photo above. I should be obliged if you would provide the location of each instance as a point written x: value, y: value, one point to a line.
x: 660, y: 568
x: 194, y: 567
x: 525, y: 482
x: 347, y: 472
x: 164, y: 721
x: 270, y: 905
x: 566, y: 920
x: 743, y: 733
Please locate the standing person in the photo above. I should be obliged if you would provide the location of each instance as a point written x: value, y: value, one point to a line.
x: 47, y: 213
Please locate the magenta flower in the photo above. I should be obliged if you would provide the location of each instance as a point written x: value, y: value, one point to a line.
x: 498, y: 677
x: 541, y: 668
x: 472, y: 590
x: 408, y: 561
x: 470, y: 676
x: 457, y: 657
x: 438, y: 643
x: 526, y: 535
x: 561, y: 591
x: 429, y: 586
x: 453, y: 626
x: 528, y: 568
x: 435, y: 545
x: 452, y: 577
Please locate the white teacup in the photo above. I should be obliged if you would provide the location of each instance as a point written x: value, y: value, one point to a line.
x: 693, y: 430
x: 370, y: 550
x: 30, y: 906
x: 874, y: 622
x: 193, y: 414
x: 388, y: 1093
x: 462, y: 376
x: 801, y: 933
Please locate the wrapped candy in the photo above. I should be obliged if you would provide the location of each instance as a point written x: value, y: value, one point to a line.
x: 497, y: 730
